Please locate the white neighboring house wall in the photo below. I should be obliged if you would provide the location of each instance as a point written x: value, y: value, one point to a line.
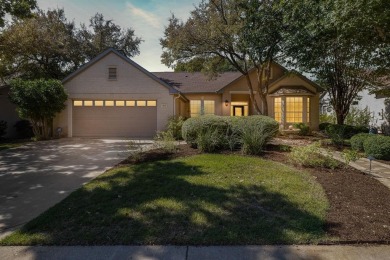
x: 375, y: 104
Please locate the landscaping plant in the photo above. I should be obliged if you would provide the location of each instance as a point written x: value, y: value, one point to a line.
x: 377, y: 146
x: 39, y: 101
x: 304, y: 129
x: 358, y: 140
x: 214, y: 133
x: 313, y: 156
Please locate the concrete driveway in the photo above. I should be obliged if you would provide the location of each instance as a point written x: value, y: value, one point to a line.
x: 36, y: 176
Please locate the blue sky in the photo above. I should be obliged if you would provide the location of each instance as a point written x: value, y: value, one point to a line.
x: 146, y: 17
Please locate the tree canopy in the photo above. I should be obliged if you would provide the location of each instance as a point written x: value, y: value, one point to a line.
x: 16, y: 8
x: 39, y: 101
x: 47, y: 45
x: 104, y: 34
x: 343, y: 44
x: 245, y: 33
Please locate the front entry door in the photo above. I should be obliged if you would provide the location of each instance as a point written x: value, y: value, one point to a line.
x: 238, y: 110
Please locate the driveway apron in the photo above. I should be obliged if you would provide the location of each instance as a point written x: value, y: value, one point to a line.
x: 38, y: 175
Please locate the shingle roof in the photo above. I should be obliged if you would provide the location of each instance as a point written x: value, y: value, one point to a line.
x: 197, y: 82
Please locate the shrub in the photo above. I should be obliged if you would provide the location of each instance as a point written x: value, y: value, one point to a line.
x: 358, y: 140
x: 256, y: 132
x: 213, y: 133
x: 3, y: 128
x: 323, y: 126
x: 24, y: 129
x: 377, y: 146
x: 174, y: 126
x: 328, y: 118
x: 340, y: 132
x: 312, y: 156
x: 304, y: 129
x: 165, y: 141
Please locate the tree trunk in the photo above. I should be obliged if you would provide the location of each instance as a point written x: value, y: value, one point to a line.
x: 252, y: 95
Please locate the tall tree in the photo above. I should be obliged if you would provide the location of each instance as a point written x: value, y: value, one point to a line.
x: 16, y: 8
x: 38, y: 101
x: 343, y: 43
x: 42, y: 46
x: 47, y: 45
x: 215, y: 64
x: 103, y: 34
x: 245, y: 33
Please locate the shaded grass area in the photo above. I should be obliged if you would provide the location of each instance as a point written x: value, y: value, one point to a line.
x: 208, y: 199
x: 5, y: 144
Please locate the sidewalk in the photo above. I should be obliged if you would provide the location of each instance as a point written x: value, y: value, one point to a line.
x: 195, y: 253
x: 379, y: 171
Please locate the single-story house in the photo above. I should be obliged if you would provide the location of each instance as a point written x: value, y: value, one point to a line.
x: 112, y: 96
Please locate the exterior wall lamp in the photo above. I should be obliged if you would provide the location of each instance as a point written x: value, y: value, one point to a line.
x: 226, y: 103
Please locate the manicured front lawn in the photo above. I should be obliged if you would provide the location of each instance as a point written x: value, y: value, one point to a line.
x: 203, y: 199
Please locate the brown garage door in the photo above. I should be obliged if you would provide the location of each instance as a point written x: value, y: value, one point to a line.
x: 114, y: 121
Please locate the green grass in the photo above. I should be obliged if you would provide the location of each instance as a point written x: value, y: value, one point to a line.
x: 207, y: 199
x: 8, y: 145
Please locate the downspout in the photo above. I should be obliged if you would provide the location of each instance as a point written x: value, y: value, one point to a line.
x: 174, y: 104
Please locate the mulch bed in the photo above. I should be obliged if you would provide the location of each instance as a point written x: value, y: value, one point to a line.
x: 359, y: 204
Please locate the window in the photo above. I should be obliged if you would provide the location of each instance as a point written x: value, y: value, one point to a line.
x: 141, y: 103
x: 109, y: 103
x: 77, y: 103
x: 278, y: 109
x: 112, y: 73
x: 130, y: 103
x: 99, y: 103
x: 88, y: 103
x: 120, y: 103
x: 202, y: 107
x: 208, y: 107
x: 195, y: 108
x: 308, y: 110
x: 151, y: 103
x: 294, y: 109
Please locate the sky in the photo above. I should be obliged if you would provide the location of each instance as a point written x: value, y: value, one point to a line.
x: 147, y: 18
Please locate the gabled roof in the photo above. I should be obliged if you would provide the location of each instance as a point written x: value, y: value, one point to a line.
x: 250, y: 71
x: 197, y: 82
x: 134, y: 64
x: 296, y: 73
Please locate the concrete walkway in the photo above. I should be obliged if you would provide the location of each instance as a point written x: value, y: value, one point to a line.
x: 379, y: 171
x: 197, y: 253
x: 36, y: 176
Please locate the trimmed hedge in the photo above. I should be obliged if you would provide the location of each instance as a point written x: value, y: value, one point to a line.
x: 358, y: 140
x: 377, y: 146
x: 215, y: 133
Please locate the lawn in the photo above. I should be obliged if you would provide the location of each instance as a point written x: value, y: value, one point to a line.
x: 4, y: 146
x: 208, y: 199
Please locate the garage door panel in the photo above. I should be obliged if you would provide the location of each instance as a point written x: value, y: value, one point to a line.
x: 114, y: 121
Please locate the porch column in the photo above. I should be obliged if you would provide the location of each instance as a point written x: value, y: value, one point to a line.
x: 70, y: 118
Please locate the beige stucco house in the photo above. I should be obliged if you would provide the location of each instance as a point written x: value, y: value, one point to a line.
x: 112, y: 96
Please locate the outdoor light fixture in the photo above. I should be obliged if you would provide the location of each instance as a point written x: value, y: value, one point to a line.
x: 226, y: 103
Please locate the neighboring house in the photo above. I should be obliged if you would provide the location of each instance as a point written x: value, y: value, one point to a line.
x: 8, y: 112
x: 112, y: 96
x: 375, y: 104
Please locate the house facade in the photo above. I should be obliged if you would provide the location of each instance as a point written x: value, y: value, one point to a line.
x: 112, y: 96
